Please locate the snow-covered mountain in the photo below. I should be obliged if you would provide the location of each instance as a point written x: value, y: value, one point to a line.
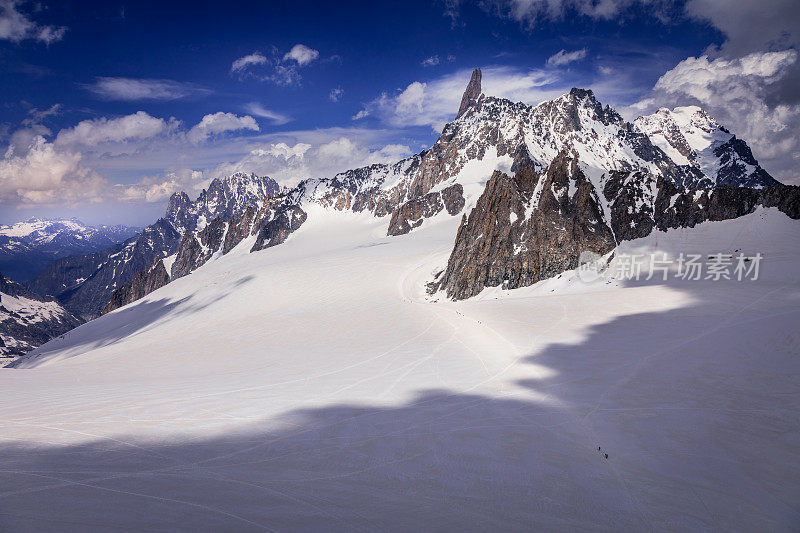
x: 691, y: 137
x: 84, y: 283
x: 287, y: 368
x: 28, y: 321
x: 630, y: 185
x: 488, y: 134
x: 27, y: 247
x: 312, y: 386
x: 224, y: 198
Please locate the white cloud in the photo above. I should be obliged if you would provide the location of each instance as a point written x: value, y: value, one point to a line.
x: 301, y: 54
x: 36, y: 116
x: 284, y: 75
x: 409, y: 102
x: 735, y: 91
x: 532, y: 11
x: 280, y: 70
x: 336, y: 94
x: 563, y: 57
x: 241, y: 64
x: 136, y: 126
x: 751, y: 25
x: 45, y: 175
x: 431, y: 61
x: 15, y: 26
x: 217, y: 123
x: 158, y: 188
x: 254, y: 108
x: 434, y: 103
x: 131, y: 89
x: 289, y: 163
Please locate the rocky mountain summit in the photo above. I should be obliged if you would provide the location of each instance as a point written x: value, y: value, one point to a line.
x: 84, y: 284
x: 691, y: 137
x: 577, y: 165
x: 28, y: 320
x: 531, y: 226
x: 27, y: 247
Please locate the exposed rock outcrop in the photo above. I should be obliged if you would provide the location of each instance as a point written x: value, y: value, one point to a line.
x: 276, y: 221
x: 195, y: 249
x: 84, y: 284
x: 529, y: 228
x: 239, y: 228
x: 142, y: 284
x: 471, y: 94
x: 526, y: 228
x: 412, y: 213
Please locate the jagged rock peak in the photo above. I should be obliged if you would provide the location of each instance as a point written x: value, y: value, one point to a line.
x: 472, y: 92
x: 577, y: 92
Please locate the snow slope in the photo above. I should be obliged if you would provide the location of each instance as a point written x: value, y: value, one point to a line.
x: 313, y: 385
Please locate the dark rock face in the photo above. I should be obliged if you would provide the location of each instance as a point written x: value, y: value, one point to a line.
x: 276, y: 223
x: 472, y: 92
x: 195, y: 250
x: 238, y: 229
x: 735, y: 157
x: 30, y: 321
x: 412, y: 213
x: 189, y: 255
x: 522, y: 231
x: 224, y: 198
x: 142, y: 284
x: 515, y: 237
x: 84, y: 284
x: 631, y: 202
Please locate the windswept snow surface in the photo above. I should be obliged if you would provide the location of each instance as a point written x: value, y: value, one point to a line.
x: 313, y: 386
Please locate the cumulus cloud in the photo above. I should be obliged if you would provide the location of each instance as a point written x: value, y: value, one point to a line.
x: 16, y: 26
x: 45, y: 175
x: 750, y: 25
x: 132, y: 89
x: 218, y: 123
x: 254, y: 108
x: 562, y: 57
x: 74, y: 167
x: 431, y: 61
x: 160, y: 187
x: 301, y: 54
x: 137, y: 126
x: 289, y: 163
x: 434, y: 103
x: 735, y: 92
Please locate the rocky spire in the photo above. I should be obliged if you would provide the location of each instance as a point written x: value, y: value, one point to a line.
x: 472, y: 92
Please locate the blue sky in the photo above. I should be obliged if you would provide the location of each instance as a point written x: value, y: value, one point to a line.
x: 110, y: 106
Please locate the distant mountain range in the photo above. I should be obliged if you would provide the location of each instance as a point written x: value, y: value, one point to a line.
x: 28, y: 320
x: 27, y: 247
x: 84, y: 283
x: 555, y: 179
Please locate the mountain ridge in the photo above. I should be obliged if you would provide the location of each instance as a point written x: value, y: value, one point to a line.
x: 26, y: 247
x: 488, y: 134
